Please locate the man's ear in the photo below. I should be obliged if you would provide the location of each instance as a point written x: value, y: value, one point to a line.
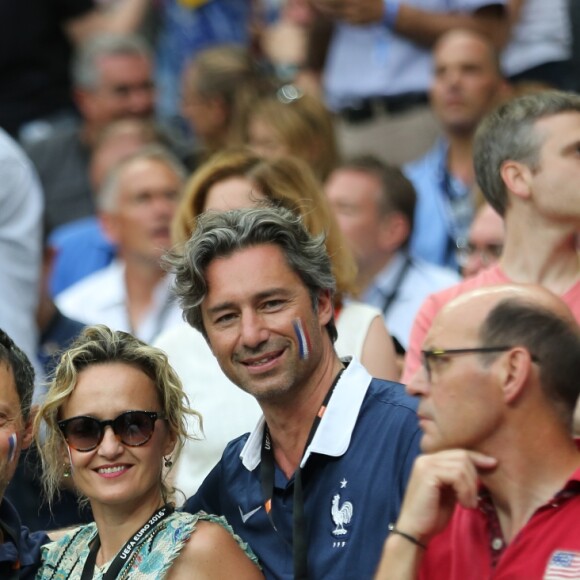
x: 517, y: 178
x: 85, y: 102
x: 515, y: 373
x: 325, y: 307
x: 109, y: 226
x: 395, y: 231
x: 27, y: 433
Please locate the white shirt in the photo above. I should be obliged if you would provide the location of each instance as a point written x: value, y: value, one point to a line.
x: 542, y: 34
x: 420, y: 280
x: 372, y: 60
x: 21, y: 204
x: 101, y: 299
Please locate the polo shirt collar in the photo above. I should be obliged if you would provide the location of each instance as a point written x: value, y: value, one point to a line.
x: 334, y: 432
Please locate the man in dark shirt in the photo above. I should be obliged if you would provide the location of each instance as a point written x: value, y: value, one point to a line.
x: 19, y: 549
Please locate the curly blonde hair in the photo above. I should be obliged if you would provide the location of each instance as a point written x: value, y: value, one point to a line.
x: 99, y: 345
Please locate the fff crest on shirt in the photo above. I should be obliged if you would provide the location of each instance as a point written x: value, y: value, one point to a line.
x: 342, y: 513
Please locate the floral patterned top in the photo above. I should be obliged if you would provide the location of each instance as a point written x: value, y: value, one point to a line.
x: 151, y: 560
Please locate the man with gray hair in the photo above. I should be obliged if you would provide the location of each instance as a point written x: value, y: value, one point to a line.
x: 113, y: 79
x: 137, y: 202
x: 526, y: 164
x: 334, y: 445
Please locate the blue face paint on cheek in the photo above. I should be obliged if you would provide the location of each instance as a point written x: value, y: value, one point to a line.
x: 303, y: 338
x: 12, y: 447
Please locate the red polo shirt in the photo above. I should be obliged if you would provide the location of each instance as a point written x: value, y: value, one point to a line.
x: 472, y: 546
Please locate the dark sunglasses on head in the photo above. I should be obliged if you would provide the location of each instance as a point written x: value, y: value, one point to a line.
x: 132, y: 428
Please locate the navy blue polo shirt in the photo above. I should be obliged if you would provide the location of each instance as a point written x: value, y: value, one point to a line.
x: 354, y: 475
x: 20, y: 551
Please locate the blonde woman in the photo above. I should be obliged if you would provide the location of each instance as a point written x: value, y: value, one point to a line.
x: 114, y: 417
x: 291, y: 122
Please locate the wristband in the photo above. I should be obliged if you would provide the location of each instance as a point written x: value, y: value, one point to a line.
x: 407, y: 537
x: 391, y: 10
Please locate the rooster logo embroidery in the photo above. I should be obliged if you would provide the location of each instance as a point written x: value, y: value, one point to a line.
x: 341, y: 515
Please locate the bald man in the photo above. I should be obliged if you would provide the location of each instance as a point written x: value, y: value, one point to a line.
x: 496, y: 494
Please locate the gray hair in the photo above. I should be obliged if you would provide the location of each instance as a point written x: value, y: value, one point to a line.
x: 108, y: 194
x: 22, y: 371
x: 85, y: 72
x: 509, y: 133
x: 220, y: 234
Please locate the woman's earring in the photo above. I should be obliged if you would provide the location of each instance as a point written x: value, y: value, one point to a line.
x: 167, y: 462
x: 67, y: 472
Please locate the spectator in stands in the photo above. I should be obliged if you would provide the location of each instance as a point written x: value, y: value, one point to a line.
x: 81, y: 246
x: 56, y: 333
x: 467, y: 84
x: 19, y: 550
x: 268, y: 285
x: 239, y: 179
x: 377, y: 69
x: 294, y: 123
x: 20, y: 245
x: 185, y: 30
x: 220, y: 85
x: 374, y: 205
x: 484, y: 242
x: 495, y: 494
x: 35, y: 54
x: 137, y: 204
x: 525, y: 156
x: 113, y: 79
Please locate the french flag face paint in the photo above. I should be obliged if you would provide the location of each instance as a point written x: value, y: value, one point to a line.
x: 303, y: 339
x: 12, y: 446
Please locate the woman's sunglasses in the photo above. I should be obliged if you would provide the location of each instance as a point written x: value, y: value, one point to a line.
x: 132, y: 428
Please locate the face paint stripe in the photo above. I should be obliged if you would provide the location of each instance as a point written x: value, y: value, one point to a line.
x: 12, y: 446
x: 303, y: 339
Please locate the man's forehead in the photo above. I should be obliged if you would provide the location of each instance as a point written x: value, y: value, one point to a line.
x: 270, y: 253
x: 451, y: 329
x: 8, y: 391
x: 462, y: 317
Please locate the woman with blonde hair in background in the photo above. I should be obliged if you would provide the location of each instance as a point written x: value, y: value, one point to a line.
x: 292, y: 122
x: 113, y: 420
x: 238, y: 179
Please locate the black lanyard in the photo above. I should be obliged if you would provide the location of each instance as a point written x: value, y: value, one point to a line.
x: 299, y: 545
x: 390, y: 297
x: 123, y: 556
x: 12, y: 536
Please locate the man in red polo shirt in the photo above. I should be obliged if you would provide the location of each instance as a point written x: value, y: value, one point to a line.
x: 497, y: 493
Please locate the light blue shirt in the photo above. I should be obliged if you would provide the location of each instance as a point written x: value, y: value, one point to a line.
x: 81, y: 249
x: 444, y: 211
x: 420, y: 280
x: 372, y: 60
